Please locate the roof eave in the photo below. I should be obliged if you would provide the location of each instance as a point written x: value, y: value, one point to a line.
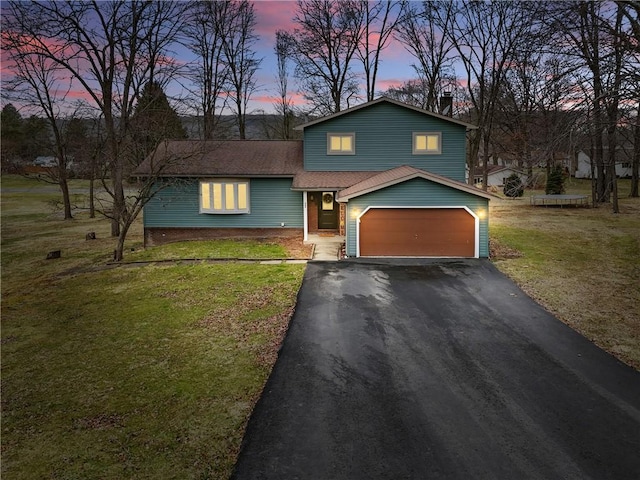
x: 452, y: 184
x: 446, y: 118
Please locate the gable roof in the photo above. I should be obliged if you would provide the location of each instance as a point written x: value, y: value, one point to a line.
x: 393, y: 102
x: 255, y: 158
x: 402, y: 174
x: 497, y: 169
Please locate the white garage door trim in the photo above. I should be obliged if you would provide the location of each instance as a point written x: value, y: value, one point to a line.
x: 471, y: 212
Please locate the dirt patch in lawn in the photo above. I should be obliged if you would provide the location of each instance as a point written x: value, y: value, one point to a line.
x: 295, y: 247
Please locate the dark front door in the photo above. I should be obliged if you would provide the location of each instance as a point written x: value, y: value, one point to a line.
x: 327, y: 212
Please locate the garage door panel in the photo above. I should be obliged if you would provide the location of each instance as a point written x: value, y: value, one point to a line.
x: 437, y: 232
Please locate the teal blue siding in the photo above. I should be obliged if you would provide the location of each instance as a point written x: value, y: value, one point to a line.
x: 271, y: 203
x: 384, y: 140
x: 417, y: 192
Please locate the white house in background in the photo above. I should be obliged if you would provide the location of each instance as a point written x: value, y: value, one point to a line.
x: 583, y: 166
x: 497, y: 175
x: 46, y: 162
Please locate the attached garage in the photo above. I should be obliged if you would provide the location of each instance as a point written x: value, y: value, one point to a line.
x: 418, y: 232
x: 407, y: 212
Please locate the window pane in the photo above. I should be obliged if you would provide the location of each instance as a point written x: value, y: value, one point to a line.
x: 346, y: 144
x: 229, y: 197
x: 242, y: 196
x: 217, y: 196
x: 421, y: 142
x: 432, y: 143
x: 335, y: 143
x: 205, y: 193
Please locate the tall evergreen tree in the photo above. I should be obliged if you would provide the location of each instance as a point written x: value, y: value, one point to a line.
x: 154, y: 120
x: 555, y: 181
x: 37, y: 139
x: 12, y: 135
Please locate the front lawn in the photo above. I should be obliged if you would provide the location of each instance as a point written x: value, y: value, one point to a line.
x: 131, y: 372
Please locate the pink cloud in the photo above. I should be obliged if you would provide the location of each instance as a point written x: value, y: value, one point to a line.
x: 385, y: 84
x: 274, y: 15
x: 295, y: 98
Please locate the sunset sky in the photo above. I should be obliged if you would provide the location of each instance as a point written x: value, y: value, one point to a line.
x: 272, y: 15
x: 275, y: 15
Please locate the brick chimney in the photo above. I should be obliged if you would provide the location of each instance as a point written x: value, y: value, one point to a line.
x: 446, y: 104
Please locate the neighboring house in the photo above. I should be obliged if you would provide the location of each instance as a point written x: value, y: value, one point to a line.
x: 583, y: 165
x: 45, y: 162
x: 386, y: 175
x: 41, y: 165
x: 497, y: 175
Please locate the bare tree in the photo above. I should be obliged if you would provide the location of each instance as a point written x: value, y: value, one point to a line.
x: 424, y: 33
x: 242, y: 63
x: 40, y: 83
x: 380, y: 20
x: 324, y: 44
x: 284, y: 104
x: 204, y: 33
x: 631, y: 72
x: 597, y: 32
x: 486, y: 35
x: 111, y: 49
x: 412, y: 92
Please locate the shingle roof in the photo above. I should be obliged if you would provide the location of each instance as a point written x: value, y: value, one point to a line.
x: 495, y: 169
x: 402, y: 174
x: 469, y: 126
x: 184, y: 158
x: 328, y: 180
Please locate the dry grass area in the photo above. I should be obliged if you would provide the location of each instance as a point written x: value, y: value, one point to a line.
x: 582, y: 264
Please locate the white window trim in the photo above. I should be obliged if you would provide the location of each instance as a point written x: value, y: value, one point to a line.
x: 427, y: 152
x: 341, y: 134
x: 223, y: 183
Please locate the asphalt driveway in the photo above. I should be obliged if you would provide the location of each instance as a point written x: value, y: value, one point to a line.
x: 438, y: 371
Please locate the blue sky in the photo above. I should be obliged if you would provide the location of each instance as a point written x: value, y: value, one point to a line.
x: 273, y: 15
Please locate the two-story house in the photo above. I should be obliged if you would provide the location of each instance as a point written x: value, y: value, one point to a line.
x: 388, y: 176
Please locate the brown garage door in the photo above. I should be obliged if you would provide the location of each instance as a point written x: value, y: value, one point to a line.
x: 417, y: 232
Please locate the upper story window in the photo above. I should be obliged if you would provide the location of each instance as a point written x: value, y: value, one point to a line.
x: 427, y: 143
x: 224, y: 196
x: 341, y: 143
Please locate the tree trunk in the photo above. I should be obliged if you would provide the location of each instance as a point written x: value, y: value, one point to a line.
x: 635, y: 166
x: 592, y: 165
x: 611, y: 187
x: 66, y: 199
x: 485, y: 162
x: 92, y: 178
x: 118, y: 253
x: 474, y: 147
x: 92, y: 204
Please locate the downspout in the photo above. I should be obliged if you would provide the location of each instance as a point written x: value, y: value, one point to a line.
x: 305, y: 217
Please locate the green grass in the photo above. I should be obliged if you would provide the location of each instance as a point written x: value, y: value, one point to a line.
x: 143, y: 372
x: 222, y: 248
x: 583, y: 264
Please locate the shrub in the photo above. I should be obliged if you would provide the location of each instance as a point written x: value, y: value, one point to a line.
x: 555, y: 181
x: 513, y: 186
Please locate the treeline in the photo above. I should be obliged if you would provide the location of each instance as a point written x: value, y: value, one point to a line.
x: 538, y: 77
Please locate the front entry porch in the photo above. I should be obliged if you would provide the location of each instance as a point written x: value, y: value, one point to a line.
x: 324, y: 216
